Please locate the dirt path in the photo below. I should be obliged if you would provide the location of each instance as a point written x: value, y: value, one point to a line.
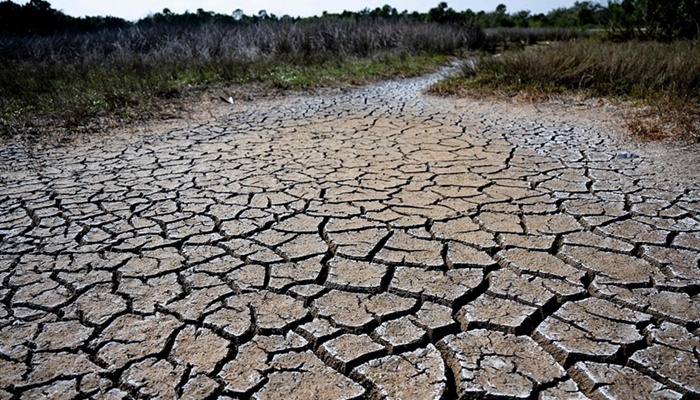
x: 367, y: 244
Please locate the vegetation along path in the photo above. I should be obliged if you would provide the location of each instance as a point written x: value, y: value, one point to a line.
x: 375, y: 243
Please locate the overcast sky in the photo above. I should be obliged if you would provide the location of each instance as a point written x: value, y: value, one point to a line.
x: 136, y: 9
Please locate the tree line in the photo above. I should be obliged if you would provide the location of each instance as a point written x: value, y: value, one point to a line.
x: 622, y: 19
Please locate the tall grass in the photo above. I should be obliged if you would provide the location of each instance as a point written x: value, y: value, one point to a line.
x: 664, y: 78
x: 75, y: 80
x: 303, y: 42
x: 519, y: 38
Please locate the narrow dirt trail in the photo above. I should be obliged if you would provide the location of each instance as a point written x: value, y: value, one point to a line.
x: 370, y: 244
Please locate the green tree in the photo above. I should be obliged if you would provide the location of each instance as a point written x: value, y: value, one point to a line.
x: 444, y: 14
x: 671, y: 19
x: 655, y: 19
x: 521, y: 19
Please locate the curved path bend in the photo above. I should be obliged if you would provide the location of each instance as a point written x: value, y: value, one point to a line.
x: 369, y: 244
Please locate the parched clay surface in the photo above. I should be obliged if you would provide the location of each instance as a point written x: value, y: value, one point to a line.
x: 376, y: 243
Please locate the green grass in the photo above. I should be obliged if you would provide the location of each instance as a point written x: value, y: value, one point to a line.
x: 663, y: 80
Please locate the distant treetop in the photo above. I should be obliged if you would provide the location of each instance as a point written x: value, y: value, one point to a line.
x: 624, y: 19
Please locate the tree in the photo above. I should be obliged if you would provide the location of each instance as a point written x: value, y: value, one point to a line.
x: 521, y: 19
x: 437, y: 14
x: 655, y: 19
x: 671, y: 19
x: 502, y: 17
x: 444, y: 14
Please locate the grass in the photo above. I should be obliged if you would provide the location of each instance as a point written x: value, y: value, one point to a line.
x: 91, y: 81
x: 352, y: 72
x: 661, y: 80
x: 82, y: 98
x: 499, y: 39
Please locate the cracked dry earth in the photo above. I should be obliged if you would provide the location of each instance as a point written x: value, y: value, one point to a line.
x: 370, y: 244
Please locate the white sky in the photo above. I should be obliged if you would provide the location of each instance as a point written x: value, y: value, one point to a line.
x: 136, y: 9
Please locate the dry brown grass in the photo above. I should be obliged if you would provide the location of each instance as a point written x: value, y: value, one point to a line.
x: 88, y: 81
x: 659, y: 83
